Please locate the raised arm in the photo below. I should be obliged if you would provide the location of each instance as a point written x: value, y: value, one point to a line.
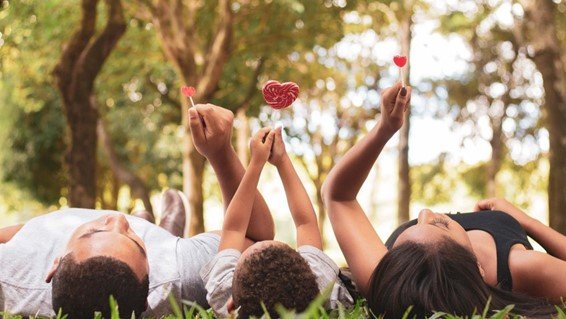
x: 239, y: 210
x: 552, y: 241
x: 298, y: 200
x: 359, y: 242
x: 7, y: 233
x: 211, y: 128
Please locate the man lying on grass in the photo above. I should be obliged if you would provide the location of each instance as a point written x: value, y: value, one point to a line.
x: 75, y: 259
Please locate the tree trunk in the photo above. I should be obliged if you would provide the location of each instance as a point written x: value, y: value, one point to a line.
x: 404, y: 180
x: 114, y: 193
x: 372, y: 213
x: 175, y: 22
x: 494, y: 165
x: 193, y: 176
x: 121, y: 172
x: 321, y: 211
x: 81, y: 154
x: 242, y: 136
x: 81, y: 61
x: 542, y: 36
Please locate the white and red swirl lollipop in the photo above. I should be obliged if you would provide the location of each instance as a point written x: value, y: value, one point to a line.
x: 280, y: 95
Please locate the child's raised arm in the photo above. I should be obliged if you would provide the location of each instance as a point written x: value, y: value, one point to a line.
x: 297, y: 197
x: 359, y: 242
x: 239, y: 210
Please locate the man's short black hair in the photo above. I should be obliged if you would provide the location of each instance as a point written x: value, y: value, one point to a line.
x: 81, y: 289
x: 276, y: 275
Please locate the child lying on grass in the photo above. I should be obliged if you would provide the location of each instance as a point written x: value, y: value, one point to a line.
x: 243, y: 276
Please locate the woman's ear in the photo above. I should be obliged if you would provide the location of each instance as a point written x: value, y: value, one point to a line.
x: 53, y: 270
x: 230, y: 306
x: 482, y: 272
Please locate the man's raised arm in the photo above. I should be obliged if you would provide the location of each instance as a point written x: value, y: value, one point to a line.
x: 211, y: 129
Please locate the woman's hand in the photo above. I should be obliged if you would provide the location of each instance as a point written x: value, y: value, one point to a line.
x: 260, y: 145
x: 394, y: 103
x: 506, y: 207
x: 278, y: 152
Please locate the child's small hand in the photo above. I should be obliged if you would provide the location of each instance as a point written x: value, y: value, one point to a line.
x: 278, y: 151
x: 394, y: 103
x: 261, y: 145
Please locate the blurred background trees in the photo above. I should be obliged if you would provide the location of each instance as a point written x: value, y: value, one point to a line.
x: 486, y: 120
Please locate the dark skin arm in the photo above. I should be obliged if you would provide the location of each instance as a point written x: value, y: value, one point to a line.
x: 238, y: 214
x: 211, y: 128
x: 357, y: 238
x: 298, y: 200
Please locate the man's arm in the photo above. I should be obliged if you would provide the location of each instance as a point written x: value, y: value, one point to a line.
x: 359, y: 242
x: 7, y: 233
x: 298, y: 200
x: 239, y: 210
x: 211, y: 128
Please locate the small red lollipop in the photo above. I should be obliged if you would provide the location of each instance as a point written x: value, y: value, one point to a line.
x: 280, y: 95
x: 400, y: 61
x: 189, y: 91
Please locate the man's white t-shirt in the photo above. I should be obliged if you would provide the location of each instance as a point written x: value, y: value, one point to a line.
x: 174, y: 263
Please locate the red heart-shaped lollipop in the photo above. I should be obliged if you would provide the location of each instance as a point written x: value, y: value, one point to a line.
x: 400, y: 60
x: 280, y: 95
x: 188, y: 91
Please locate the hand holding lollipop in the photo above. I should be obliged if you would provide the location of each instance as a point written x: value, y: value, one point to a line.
x: 189, y: 91
x: 400, y: 61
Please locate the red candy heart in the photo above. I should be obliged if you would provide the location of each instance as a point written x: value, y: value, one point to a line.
x: 400, y: 60
x: 280, y: 95
x: 188, y: 91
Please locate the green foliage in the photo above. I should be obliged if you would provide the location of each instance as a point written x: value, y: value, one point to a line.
x: 475, y: 178
x: 315, y: 311
x: 33, y: 129
x: 434, y: 183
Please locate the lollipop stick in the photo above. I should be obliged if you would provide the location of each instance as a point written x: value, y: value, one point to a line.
x: 275, y: 115
x: 192, y: 102
x: 402, y: 77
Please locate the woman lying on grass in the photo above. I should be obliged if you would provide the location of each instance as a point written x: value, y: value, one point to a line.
x: 449, y: 263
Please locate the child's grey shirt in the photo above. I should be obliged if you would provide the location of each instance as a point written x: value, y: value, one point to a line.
x: 218, y: 274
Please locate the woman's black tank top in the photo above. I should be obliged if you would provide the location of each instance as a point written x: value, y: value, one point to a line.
x: 505, y: 230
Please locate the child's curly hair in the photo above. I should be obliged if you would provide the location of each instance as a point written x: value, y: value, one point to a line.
x: 276, y: 275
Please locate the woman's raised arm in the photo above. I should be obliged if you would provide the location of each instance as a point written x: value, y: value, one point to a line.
x: 359, y: 242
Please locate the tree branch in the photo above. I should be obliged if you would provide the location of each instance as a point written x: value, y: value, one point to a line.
x: 217, y: 54
x: 174, y: 43
x: 385, y: 9
x: 74, y: 48
x: 164, y: 96
x: 92, y: 60
x: 122, y: 173
x: 252, y: 88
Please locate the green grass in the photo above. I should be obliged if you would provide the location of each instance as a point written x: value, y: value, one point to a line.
x: 187, y: 310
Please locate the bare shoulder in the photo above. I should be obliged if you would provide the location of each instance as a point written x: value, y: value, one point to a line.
x: 537, y: 274
x: 523, y: 263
